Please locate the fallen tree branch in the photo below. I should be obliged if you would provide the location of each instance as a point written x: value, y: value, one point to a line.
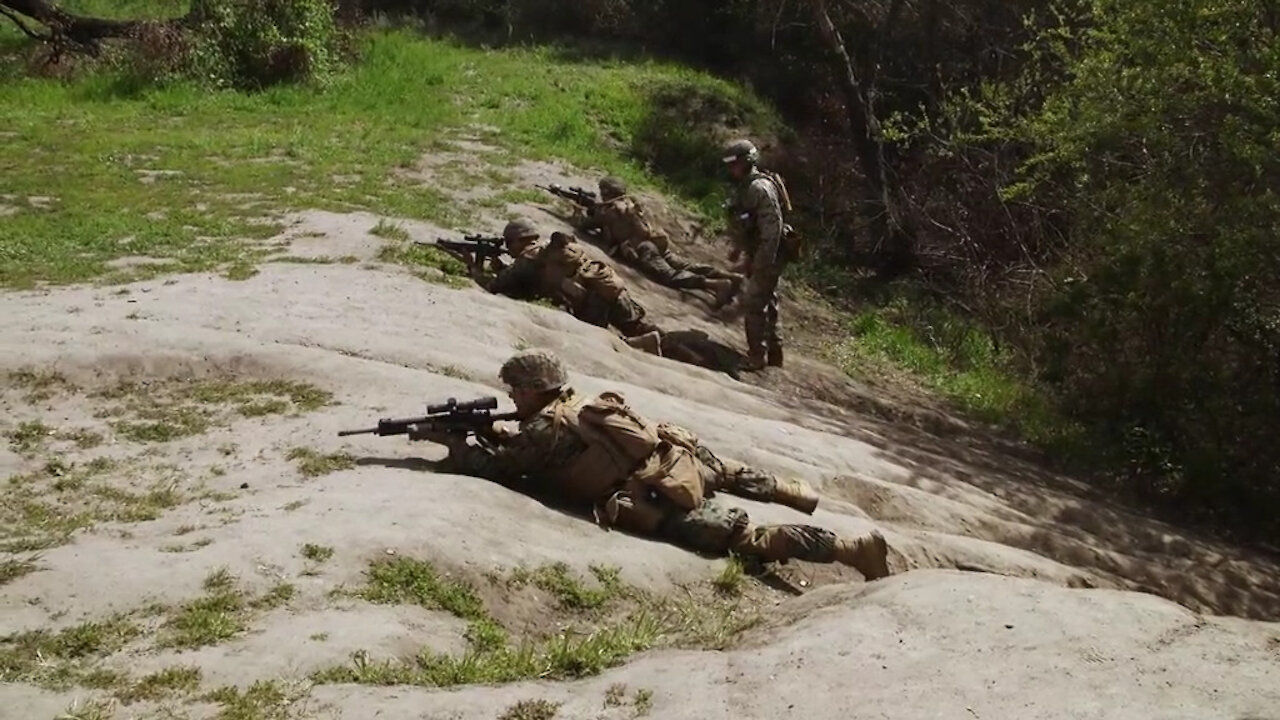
x: 17, y: 20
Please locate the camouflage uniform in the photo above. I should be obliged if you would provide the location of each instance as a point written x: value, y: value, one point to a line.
x: 757, y: 226
x: 627, y: 232
x: 551, y: 454
x: 563, y: 273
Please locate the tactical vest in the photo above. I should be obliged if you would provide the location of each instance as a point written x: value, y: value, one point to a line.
x: 791, y: 246
x: 569, y: 275
x: 625, y: 223
x: 624, y: 451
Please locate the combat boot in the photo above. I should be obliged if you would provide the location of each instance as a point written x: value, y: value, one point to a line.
x: 796, y: 494
x: 650, y: 342
x: 725, y: 291
x: 775, y: 356
x: 753, y: 363
x: 867, y: 554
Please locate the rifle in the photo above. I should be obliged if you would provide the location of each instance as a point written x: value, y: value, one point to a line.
x: 451, y: 416
x: 581, y: 196
x: 472, y: 249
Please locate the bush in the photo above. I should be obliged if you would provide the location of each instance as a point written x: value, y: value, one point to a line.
x: 251, y: 44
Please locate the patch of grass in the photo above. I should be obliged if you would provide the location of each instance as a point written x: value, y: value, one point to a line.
x: 293, y: 505
x: 320, y: 636
x: 575, y: 652
x: 408, y: 580
x: 317, y: 553
x: 948, y: 355
x: 264, y: 700
x: 312, y: 463
x: 169, y: 410
x: 11, y: 570
x: 63, y: 659
x: 729, y: 581
x: 278, y: 595
x: 40, y: 384
x: 240, y: 271
x: 217, y: 616
x: 90, y: 709
x: 186, y: 529
x: 531, y: 710
x: 84, y: 438
x: 159, y: 685
x: 570, y: 592
x: 643, y: 702
x: 615, y: 695
x: 390, y: 231
x: 29, y: 437
x: 433, y: 264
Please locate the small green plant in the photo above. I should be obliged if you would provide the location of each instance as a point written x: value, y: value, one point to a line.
x: 317, y: 553
x: 210, y: 619
x: 390, y: 231
x: 240, y: 271
x: 253, y: 44
x: 62, y: 659
x: 157, y: 686
x: 11, y: 570
x: 29, y: 436
x: 531, y: 710
x: 314, y: 464
x: 568, y: 590
x: 729, y: 581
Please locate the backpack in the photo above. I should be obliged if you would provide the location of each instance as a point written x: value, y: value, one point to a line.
x: 639, y: 451
x: 792, y: 246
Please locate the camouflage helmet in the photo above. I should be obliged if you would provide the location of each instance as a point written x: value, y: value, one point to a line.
x: 612, y: 186
x: 534, y: 370
x: 740, y: 150
x: 519, y: 229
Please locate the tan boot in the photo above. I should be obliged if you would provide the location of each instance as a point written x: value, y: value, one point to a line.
x: 650, y: 342
x: 867, y: 554
x: 796, y: 494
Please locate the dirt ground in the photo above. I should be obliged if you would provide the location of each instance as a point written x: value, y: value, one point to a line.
x: 1017, y: 593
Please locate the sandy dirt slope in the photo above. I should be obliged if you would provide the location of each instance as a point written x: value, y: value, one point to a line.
x: 1021, y: 634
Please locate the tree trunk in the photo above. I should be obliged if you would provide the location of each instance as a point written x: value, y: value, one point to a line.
x: 894, y: 246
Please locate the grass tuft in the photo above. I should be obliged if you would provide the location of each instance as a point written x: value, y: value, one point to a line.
x: 312, y: 463
x: 162, y: 684
x: 317, y: 553
x: 531, y: 710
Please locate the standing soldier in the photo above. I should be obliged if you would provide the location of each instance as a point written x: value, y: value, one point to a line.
x: 629, y: 235
x: 759, y: 231
x: 655, y: 480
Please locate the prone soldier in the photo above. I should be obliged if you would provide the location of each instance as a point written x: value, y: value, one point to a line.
x: 656, y: 480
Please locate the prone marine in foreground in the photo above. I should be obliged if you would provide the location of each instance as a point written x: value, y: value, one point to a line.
x: 654, y: 480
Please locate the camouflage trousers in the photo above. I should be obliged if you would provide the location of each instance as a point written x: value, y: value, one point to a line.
x: 624, y: 313
x: 668, y: 268
x: 760, y: 313
x: 718, y: 529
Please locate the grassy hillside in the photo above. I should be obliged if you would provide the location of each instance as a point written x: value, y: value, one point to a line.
x: 99, y: 167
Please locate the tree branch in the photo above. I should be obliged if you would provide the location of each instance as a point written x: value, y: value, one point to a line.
x: 17, y: 20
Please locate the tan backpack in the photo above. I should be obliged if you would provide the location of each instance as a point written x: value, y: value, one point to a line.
x: 640, y: 455
x: 792, y: 246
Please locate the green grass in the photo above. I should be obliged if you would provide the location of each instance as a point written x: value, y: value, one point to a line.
x: 221, y: 613
x: 40, y: 384
x: 954, y: 358
x: 63, y: 659
x: 317, y: 553
x: 162, y: 684
x: 312, y: 463
x: 29, y: 437
x: 531, y: 710
x: 170, y: 410
x: 569, y: 591
x: 729, y: 581
x: 264, y: 700
x: 12, y: 569
x: 638, y: 622
x: 91, y: 142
